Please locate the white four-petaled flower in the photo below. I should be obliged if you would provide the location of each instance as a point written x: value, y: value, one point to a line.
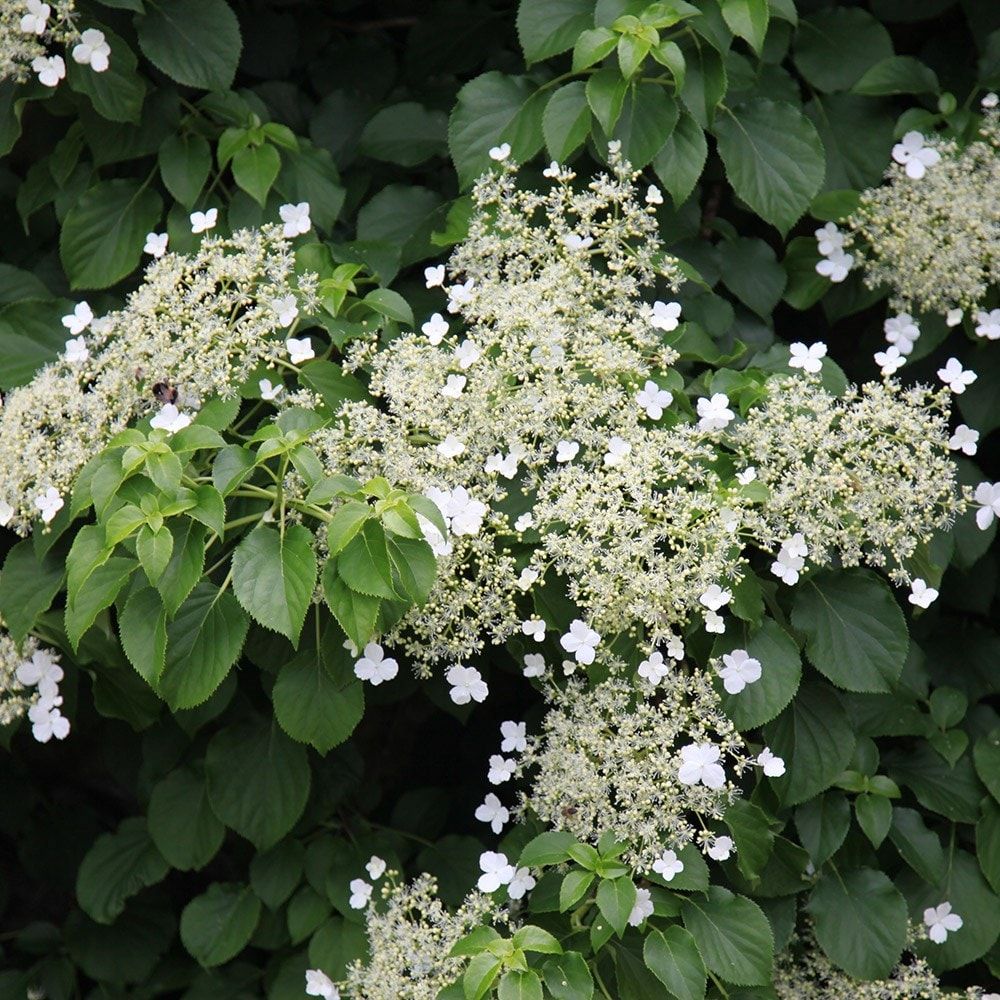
x: 957, y: 378
x: 809, y: 359
x: 700, y: 763
x: 642, y: 909
x: 836, y: 266
x: 618, y: 448
x: 361, y: 893
x: 921, y: 595
x: 714, y: 413
x: 92, y: 50
x: 453, y: 386
x: 653, y: 399
x: 201, y: 222
x: 268, y: 390
x: 35, y: 20
x: 501, y: 769
x: 740, y: 670
x: 581, y: 640
x: 49, y: 504
x: 534, y: 665
x: 566, y: 451
x: 988, y: 324
x: 319, y: 984
x: 515, y: 737
x: 902, y: 331
x: 715, y: 597
x: 79, y: 319
x: 720, y: 848
x: 653, y: 195
x: 494, y: 812
x: 522, y: 882
x: 667, y: 865
x: 665, y: 316
x: 987, y: 495
x: 654, y: 669
x: 965, y: 440
x: 374, y: 666
x: 534, y: 627
x: 50, y: 70
x: 890, y: 360
x: 940, y: 921
x: 295, y: 218
x: 156, y: 244
x: 496, y: 869
x: 501, y: 152
x: 773, y: 765
x: 286, y: 308
x: 467, y: 685
x: 914, y: 155
x: 170, y: 419
x: 451, y: 447
x: 299, y: 349
x: 829, y: 239
x: 76, y: 351
x: 435, y: 328
x: 467, y: 354
x: 376, y: 867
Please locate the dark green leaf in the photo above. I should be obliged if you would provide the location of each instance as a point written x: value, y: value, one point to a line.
x: 217, y: 925
x: 733, y: 936
x: 673, y: 957
x: 181, y: 821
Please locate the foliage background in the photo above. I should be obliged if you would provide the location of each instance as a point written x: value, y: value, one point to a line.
x: 380, y: 115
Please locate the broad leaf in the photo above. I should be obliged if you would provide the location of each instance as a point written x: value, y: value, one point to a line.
x: 217, y: 925
x: 181, y: 821
x: 733, y: 936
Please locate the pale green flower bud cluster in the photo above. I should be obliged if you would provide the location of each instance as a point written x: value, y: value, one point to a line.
x: 21, y: 43
x: 865, y: 477
x: 935, y: 241
x: 199, y: 323
x: 409, y: 938
x: 608, y: 759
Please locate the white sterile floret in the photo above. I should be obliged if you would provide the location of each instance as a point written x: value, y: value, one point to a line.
x: 720, y: 848
x: 465, y: 514
x: 527, y: 577
x: 515, y: 738
x: 156, y: 244
x: 295, y: 218
x: 642, y: 909
x: 581, y: 640
x: 715, y: 597
x: 467, y: 685
x: 319, y: 984
x: 49, y: 504
x: 92, y: 50
x: 299, y: 349
x: 675, y: 647
x: 522, y: 882
x: 957, y: 378
x: 665, y: 316
x: 435, y: 329
x: 286, y: 309
x: 829, y: 239
x: 940, y: 921
x: 773, y: 765
x: 653, y: 668
x: 953, y: 317
x: 574, y: 241
x: 747, y: 476
x: 434, y: 276
x: 552, y: 171
x: 202, y: 222
x: 809, y: 359
x: 965, y: 440
x: 494, y: 812
x: 36, y: 19
x: 902, y: 331
x: 987, y: 495
x: 76, y: 351
x: 6, y: 513
x: 460, y: 295
x: 921, y: 595
x: 890, y: 360
x: 524, y: 521
x: 990, y: 100
x: 653, y: 195
x: 269, y: 390
x: 361, y: 893
x: 467, y: 354
x: 618, y: 449
x: 653, y: 399
x: 714, y: 413
x: 50, y: 70
x: 501, y: 769
x: 79, y: 319
x: 667, y: 865
x: 374, y: 666
x: 700, y: 764
x: 534, y: 627
x: 501, y: 152
x: 376, y: 867
x: 496, y: 869
x: 988, y: 324
x: 170, y: 419
x: 836, y: 267
x: 451, y: 447
x: 914, y: 155
x: 566, y: 451
x: 740, y: 670
x: 453, y: 386
x: 534, y: 665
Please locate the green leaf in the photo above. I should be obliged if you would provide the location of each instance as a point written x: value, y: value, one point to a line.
x: 185, y: 162
x: 217, y: 925
x: 547, y: 27
x: 986, y: 755
x: 255, y: 170
x: 773, y: 158
x: 605, y: 91
x: 752, y: 273
x: 348, y: 520
x: 574, y: 885
x: 752, y: 835
x: 823, y: 823
x: 181, y: 822
x: 274, y: 575
x: 898, y: 75
x: 857, y: 135
x: 987, y: 846
x: 733, y: 936
x: 406, y: 134
x: 952, y: 790
x: 332, y: 383
x: 855, y: 631
x: 195, y: 42
x: 520, y: 985
x: 567, y: 977
x: 566, y: 120
x: 681, y: 159
x: 356, y: 613
x: 390, y: 304
x: 364, y: 563
x: 592, y: 46
x: 318, y: 700
x: 28, y: 585
x: 310, y: 175
x: 103, y: 586
x: 528, y: 937
x: 258, y: 780
x: 490, y: 109
x: 833, y: 48
x: 117, y: 93
x: 117, y: 866
x: 549, y: 848
x: 648, y: 116
x: 187, y: 560
x: 275, y: 873
x: 414, y: 567
x: 616, y: 900
x: 673, y: 957
x: 142, y: 627
x: 705, y: 83
x: 874, y: 815
x: 480, y: 975
x: 815, y: 739
x: 154, y: 550
x: 860, y: 920
x: 31, y: 335
x: 919, y: 847
x: 103, y: 233
x: 748, y: 19
x: 203, y: 642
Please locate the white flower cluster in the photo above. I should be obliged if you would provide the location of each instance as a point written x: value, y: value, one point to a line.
x: 29, y: 27
x: 200, y: 323
x: 29, y: 685
x: 650, y: 771
x: 931, y: 234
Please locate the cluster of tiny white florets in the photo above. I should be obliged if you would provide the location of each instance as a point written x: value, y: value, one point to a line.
x: 652, y: 770
x: 804, y: 971
x: 554, y: 347
x: 29, y: 685
x: 931, y: 234
x: 199, y: 323
x: 28, y: 29
x: 409, y: 938
x: 865, y: 476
